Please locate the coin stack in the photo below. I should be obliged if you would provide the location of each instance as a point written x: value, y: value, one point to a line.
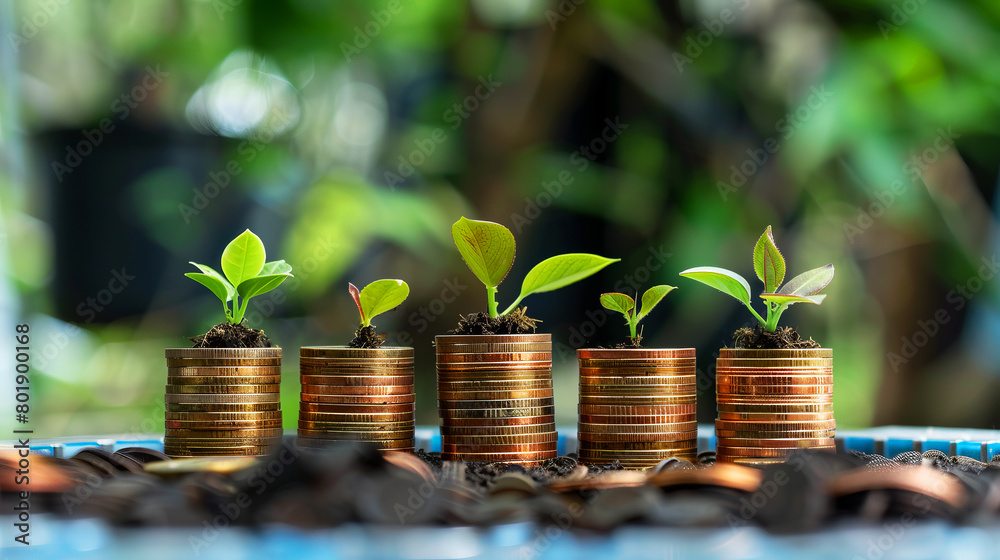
x: 222, y: 401
x: 495, y: 398
x: 772, y: 402
x: 357, y: 394
x: 637, y: 406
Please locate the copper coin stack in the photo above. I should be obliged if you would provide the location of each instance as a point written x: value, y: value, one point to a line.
x: 637, y: 406
x: 772, y: 402
x: 495, y: 398
x: 222, y: 401
x: 357, y: 394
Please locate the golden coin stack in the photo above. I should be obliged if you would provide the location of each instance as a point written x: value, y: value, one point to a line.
x: 637, y: 406
x: 772, y: 402
x: 222, y: 401
x: 495, y: 398
x: 357, y: 394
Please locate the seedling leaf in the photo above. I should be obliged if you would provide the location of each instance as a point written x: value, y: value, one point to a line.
x: 260, y: 284
x: 218, y: 286
x: 725, y: 281
x: 230, y: 291
x: 243, y: 258
x: 652, y: 297
x: 618, y: 302
x: 787, y: 299
x: 486, y: 247
x: 768, y: 262
x: 381, y: 296
x: 809, y: 283
x: 356, y: 296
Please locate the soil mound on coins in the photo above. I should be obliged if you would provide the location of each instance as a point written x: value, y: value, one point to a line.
x: 515, y: 322
x: 228, y: 335
x: 366, y: 337
x: 781, y: 339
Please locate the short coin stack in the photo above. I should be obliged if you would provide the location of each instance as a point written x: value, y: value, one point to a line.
x: 637, y: 406
x: 357, y: 394
x: 772, y: 402
x: 495, y: 398
x: 222, y: 401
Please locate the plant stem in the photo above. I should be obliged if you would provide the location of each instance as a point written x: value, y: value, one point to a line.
x: 631, y: 326
x: 757, y: 315
x: 491, y: 300
x: 513, y: 306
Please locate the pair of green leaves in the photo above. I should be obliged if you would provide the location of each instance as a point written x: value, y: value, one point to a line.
x: 488, y: 249
x: 625, y: 305
x: 769, y: 264
x: 245, y: 274
x: 377, y: 298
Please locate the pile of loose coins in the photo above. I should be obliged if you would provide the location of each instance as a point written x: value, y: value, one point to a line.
x: 357, y: 394
x: 772, y: 402
x: 222, y: 401
x: 637, y: 406
x: 495, y: 398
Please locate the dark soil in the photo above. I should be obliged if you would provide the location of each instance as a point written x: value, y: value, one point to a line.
x: 782, y: 338
x: 630, y: 343
x: 228, y: 335
x: 366, y: 337
x: 516, y: 322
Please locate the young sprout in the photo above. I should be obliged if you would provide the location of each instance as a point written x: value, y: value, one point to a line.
x: 245, y: 275
x: 488, y: 250
x: 770, y: 268
x: 626, y: 305
x: 377, y: 298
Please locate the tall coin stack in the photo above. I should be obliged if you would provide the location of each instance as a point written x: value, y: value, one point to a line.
x: 772, y: 402
x: 222, y: 401
x: 637, y: 406
x: 495, y: 398
x: 357, y: 394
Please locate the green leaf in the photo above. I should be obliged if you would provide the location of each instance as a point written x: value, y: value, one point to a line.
x: 787, y: 299
x: 356, y: 296
x: 218, y: 286
x: 809, y: 283
x: 275, y: 267
x: 243, y: 258
x: 652, y: 297
x: 230, y: 290
x: 768, y: 262
x: 618, y: 302
x: 381, y: 296
x: 486, y: 247
x: 725, y: 281
x: 260, y: 284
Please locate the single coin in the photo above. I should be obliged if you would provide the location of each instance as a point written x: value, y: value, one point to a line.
x: 774, y: 426
x: 492, y: 431
x: 357, y: 434
x: 491, y: 338
x: 634, y: 419
x: 223, y: 407
x: 235, y: 368
x: 638, y: 429
x: 356, y: 380
x: 616, y: 400
x: 763, y: 417
x: 307, y: 398
x: 223, y: 416
x: 218, y: 443
x: 776, y: 408
x: 496, y: 412
x: 769, y: 436
x: 394, y: 444
x: 362, y: 427
x: 223, y: 380
x: 362, y: 408
x: 495, y: 403
x: 536, y: 457
x: 500, y: 375
x: 649, y: 390
x: 334, y: 417
x: 659, y: 446
x: 634, y: 353
x: 227, y: 389
x: 228, y: 465
x: 645, y: 410
x: 493, y: 395
x: 347, y: 352
x: 507, y: 439
x: 244, y: 452
x: 177, y: 434
x: 723, y: 454
x: 370, y: 391
x: 638, y: 379
x: 765, y: 400
x: 546, y: 420
x: 771, y: 371
x: 493, y: 348
x: 783, y: 353
x: 730, y: 379
x: 826, y: 389
x: 234, y: 353
x: 637, y: 371
x: 222, y: 424
x: 490, y: 385
x: 493, y: 357
x: 609, y: 437
x: 355, y: 369
x: 249, y: 398
x: 632, y: 456
x: 807, y: 441
x: 519, y: 449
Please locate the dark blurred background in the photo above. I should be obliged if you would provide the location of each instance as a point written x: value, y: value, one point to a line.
x: 349, y: 135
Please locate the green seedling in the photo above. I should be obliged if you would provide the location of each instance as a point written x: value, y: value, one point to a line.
x: 488, y: 250
x: 245, y: 275
x: 625, y: 305
x: 770, y: 268
x: 377, y: 298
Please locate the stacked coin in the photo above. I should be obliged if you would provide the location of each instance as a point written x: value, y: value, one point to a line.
x: 773, y: 401
x: 637, y: 406
x: 222, y: 401
x: 495, y: 398
x: 357, y: 394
